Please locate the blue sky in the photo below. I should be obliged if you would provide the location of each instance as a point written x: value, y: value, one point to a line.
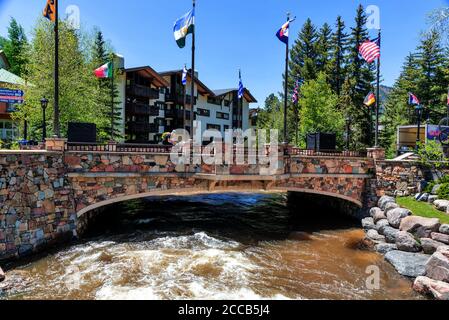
x: 231, y: 34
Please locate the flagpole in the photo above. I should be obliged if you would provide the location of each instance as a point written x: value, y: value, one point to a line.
x: 286, y: 87
x: 184, y: 98
x: 192, y: 91
x: 56, y: 128
x: 378, y: 94
x: 240, y: 107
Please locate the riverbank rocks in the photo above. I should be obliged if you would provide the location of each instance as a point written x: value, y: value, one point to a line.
x: 395, y: 216
x: 432, y: 199
x: 390, y: 206
x: 408, y: 264
x: 2, y: 275
x: 430, y: 246
x: 381, y: 225
x: 375, y: 211
x: 438, y: 266
x: 368, y: 224
x: 440, y: 237
x: 379, y: 216
x: 390, y: 234
x: 384, y: 248
x: 419, y: 226
x: 406, y: 242
x: 375, y: 236
x: 384, y: 201
x: 441, y: 205
x: 437, y: 289
x: 444, y: 229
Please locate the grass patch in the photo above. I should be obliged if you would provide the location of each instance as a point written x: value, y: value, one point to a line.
x: 422, y: 209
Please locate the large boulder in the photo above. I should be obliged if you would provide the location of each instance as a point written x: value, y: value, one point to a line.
x: 424, y: 197
x: 373, y: 211
x: 419, y: 226
x: 444, y: 229
x: 430, y: 246
x: 441, y: 205
x: 437, y: 289
x: 406, y: 242
x: 381, y: 224
x: 390, y: 234
x: 440, y: 237
x: 384, y: 248
x: 395, y: 216
x: 384, y: 201
x: 432, y: 199
x: 379, y: 216
x: 375, y: 236
x: 368, y: 224
x: 438, y: 266
x: 408, y: 264
x: 390, y: 206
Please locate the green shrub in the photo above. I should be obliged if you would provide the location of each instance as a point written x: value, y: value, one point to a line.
x: 443, y: 192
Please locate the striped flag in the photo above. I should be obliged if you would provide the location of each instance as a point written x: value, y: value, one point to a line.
x: 50, y: 10
x: 241, y: 87
x: 412, y: 99
x: 370, y: 50
x: 184, y: 76
x: 370, y: 99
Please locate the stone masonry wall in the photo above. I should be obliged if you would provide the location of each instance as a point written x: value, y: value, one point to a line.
x: 36, y: 202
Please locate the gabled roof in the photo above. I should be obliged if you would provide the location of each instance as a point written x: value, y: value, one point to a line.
x: 158, y: 80
x: 202, y: 88
x: 247, y: 94
x: 10, y: 78
x: 5, y: 59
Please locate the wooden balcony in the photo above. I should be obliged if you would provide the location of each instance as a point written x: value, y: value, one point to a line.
x: 142, y: 91
x: 142, y: 127
x: 140, y: 109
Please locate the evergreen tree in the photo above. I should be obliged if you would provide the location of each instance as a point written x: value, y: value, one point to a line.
x: 362, y: 76
x: 323, y: 48
x: 339, y: 49
x: 15, y: 47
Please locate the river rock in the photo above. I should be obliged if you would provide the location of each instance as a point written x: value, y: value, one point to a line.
x: 368, y: 224
x: 408, y: 264
x: 424, y: 197
x: 2, y: 275
x: 419, y: 226
x: 441, y: 205
x: 437, y: 267
x: 406, y: 242
x: 374, y: 211
x: 395, y: 216
x: 381, y: 224
x: 432, y: 199
x: 384, y: 201
x: 426, y: 286
x: 440, y: 237
x: 444, y: 229
x: 379, y: 216
x: 430, y: 246
x: 390, y: 234
x: 390, y: 206
x: 384, y: 248
x: 375, y: 236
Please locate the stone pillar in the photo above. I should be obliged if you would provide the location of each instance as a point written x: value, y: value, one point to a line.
x: 376, y: 153
x: 55, y: 144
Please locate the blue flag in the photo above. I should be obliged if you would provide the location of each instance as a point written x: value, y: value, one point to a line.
x: 241, y: 87
x: 184, y: 26
x: 184, y: 76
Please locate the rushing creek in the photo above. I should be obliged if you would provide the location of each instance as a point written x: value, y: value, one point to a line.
x: 218, y: 246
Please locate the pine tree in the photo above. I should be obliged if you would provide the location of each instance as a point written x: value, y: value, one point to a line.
x: 323, y: 48
x: 339, y: 50
x: 115, y: 112
x: 15, y: 47
x: 361, y: 75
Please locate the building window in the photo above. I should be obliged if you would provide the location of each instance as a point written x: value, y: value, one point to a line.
x: 227, y: 103
x: 226, y: 127
x: 222, y: 115
x: 203, y: 112
x: 215, y: 101
x: 213, y: 127
x: 8, y: 130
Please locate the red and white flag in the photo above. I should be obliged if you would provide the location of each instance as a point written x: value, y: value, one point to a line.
x: 370, y: 50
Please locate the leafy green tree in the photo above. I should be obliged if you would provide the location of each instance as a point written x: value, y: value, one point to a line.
x: 319, y: 111
x: 15, y: 47
x: 339, y: 48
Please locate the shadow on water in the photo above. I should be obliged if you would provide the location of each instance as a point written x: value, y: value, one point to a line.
x: 243, y: 217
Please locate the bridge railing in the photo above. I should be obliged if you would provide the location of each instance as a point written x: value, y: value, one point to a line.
x: 120, y: 148
x: 327, y: 153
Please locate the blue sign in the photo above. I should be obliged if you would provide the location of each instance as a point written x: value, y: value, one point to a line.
x: 11, y: 96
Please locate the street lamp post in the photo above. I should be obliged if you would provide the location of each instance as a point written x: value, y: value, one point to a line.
x: 44, y: 104
x: 348, y: 132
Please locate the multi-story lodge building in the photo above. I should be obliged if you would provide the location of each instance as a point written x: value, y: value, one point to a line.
x: 154, y: 103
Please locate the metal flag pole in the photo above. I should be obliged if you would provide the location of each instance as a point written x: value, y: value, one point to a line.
x: 56, y: 127
x: 192, y: 91
x: 286, y: 86
x: 112, y: 97
x: 240, y: 106
x: 378, y: 95
x: 184, y: 99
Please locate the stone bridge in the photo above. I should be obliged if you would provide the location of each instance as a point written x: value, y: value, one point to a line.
x: 46, y: 194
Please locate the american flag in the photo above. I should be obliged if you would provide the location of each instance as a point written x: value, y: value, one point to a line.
x: 370, y: 50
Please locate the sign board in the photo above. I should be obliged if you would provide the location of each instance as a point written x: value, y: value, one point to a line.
x: 11, y: 96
